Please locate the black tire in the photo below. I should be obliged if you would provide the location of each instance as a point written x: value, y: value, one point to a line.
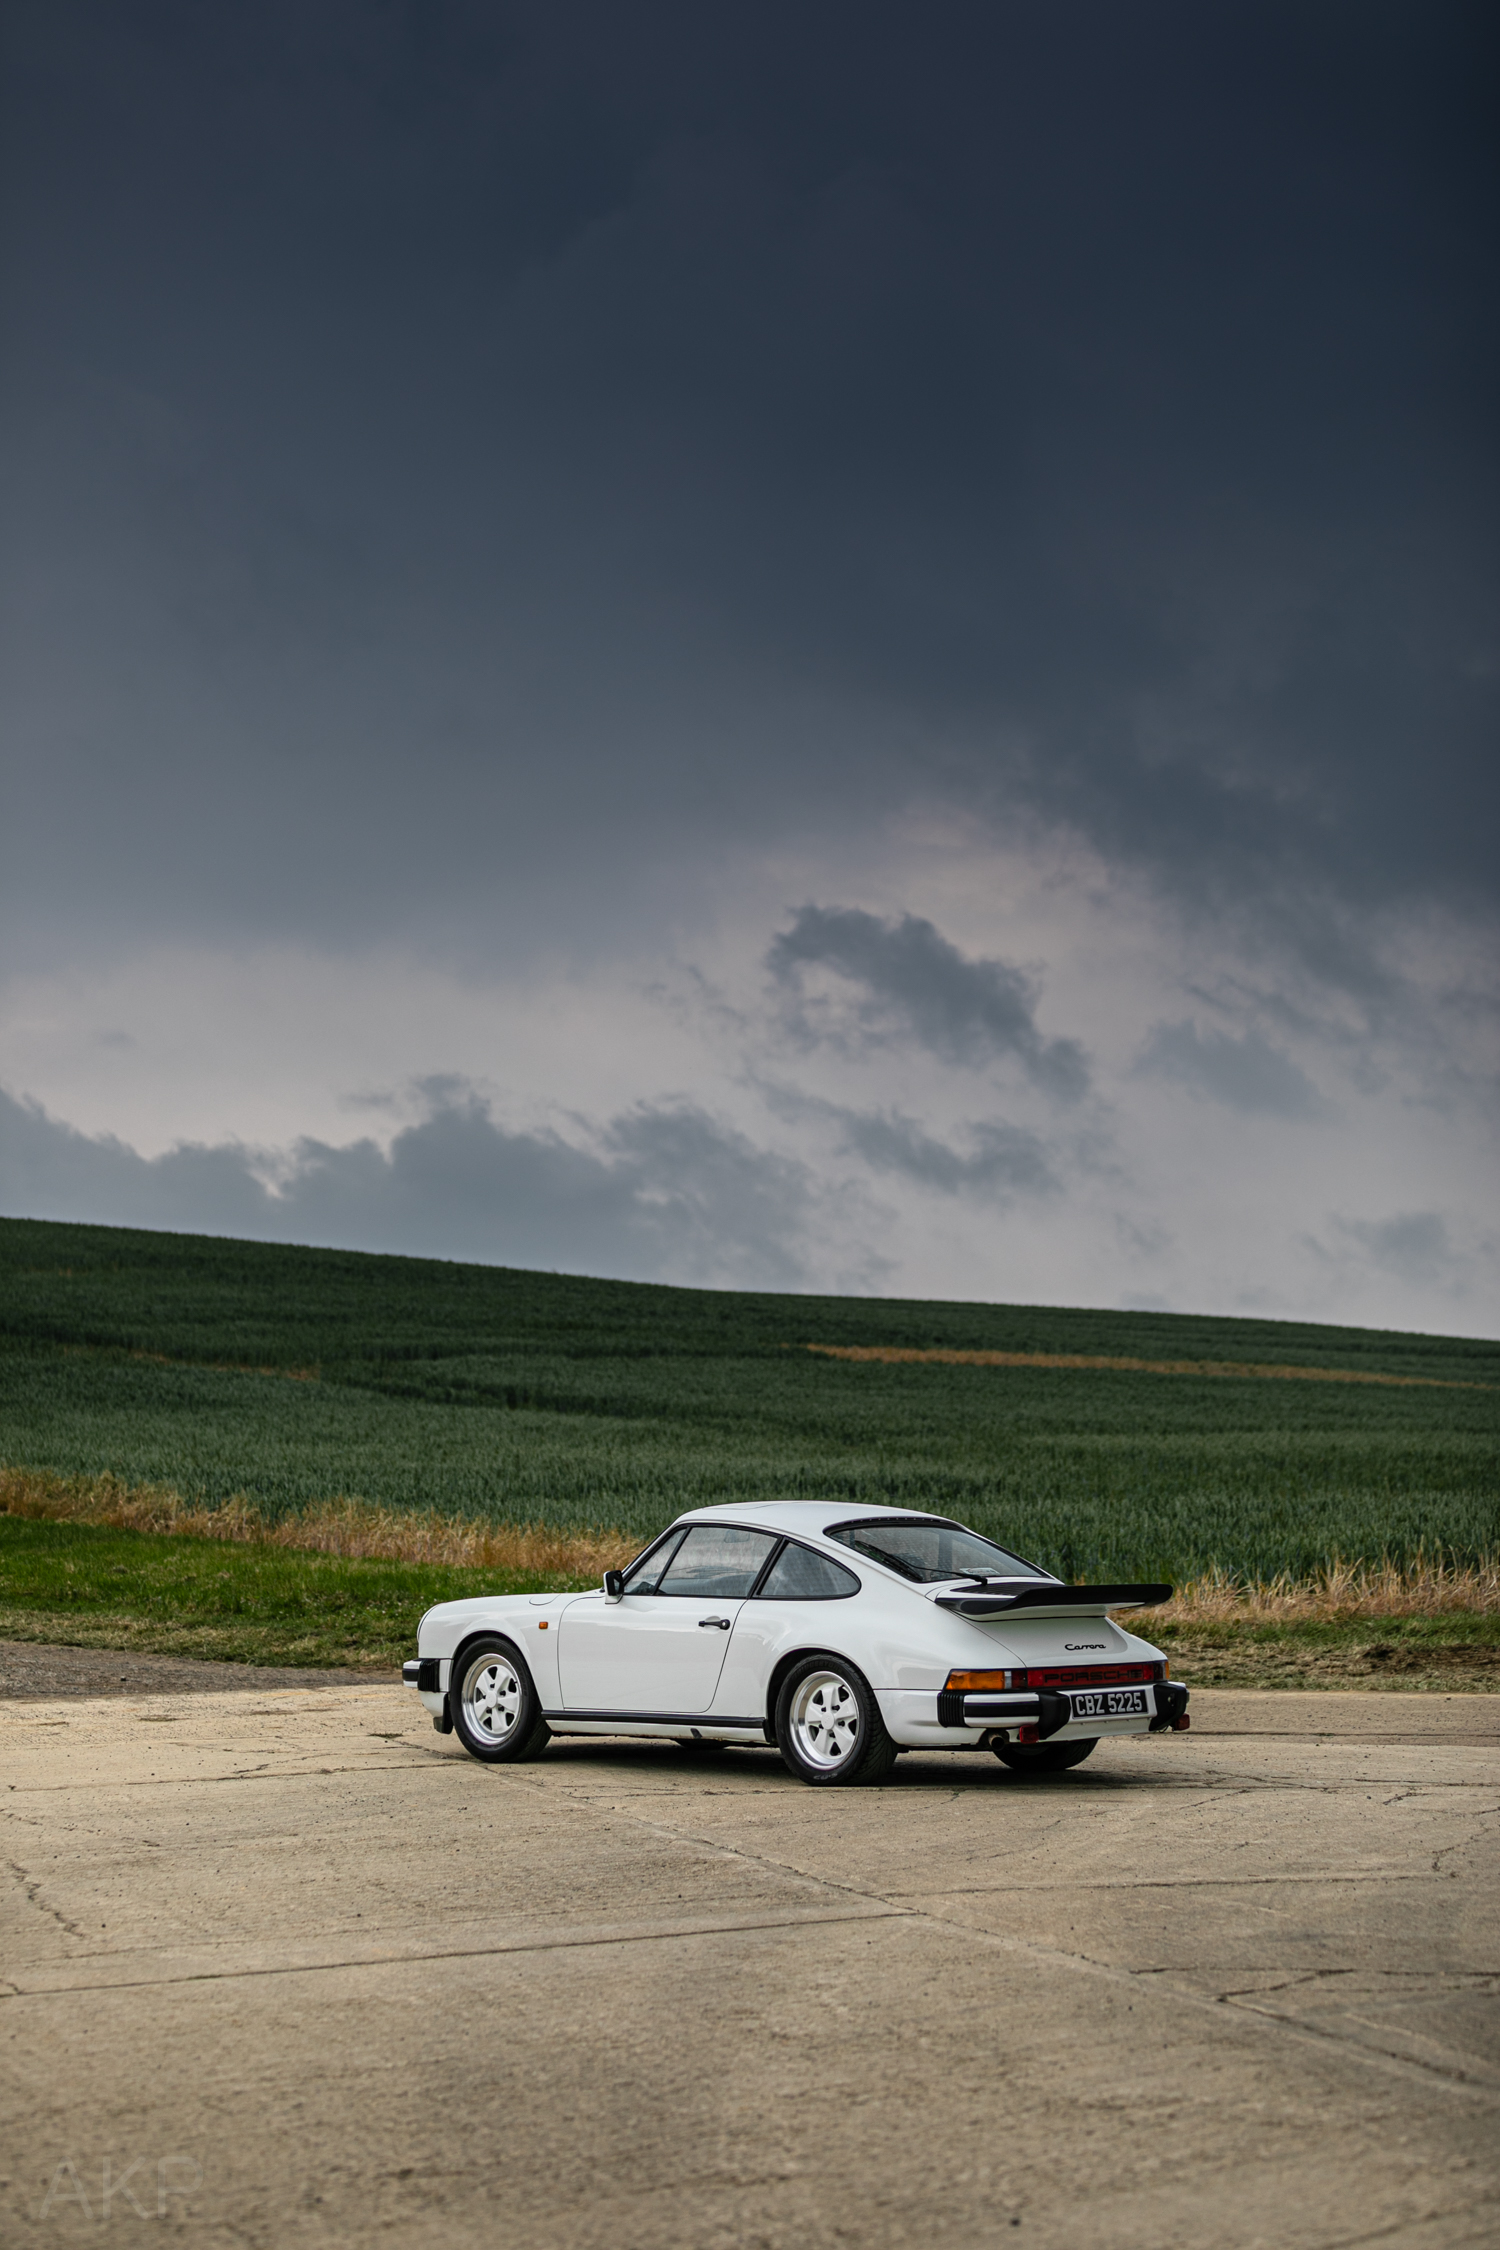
x: 828, y: 1725
x: 1043, y: 1757
x: 497, y: 1713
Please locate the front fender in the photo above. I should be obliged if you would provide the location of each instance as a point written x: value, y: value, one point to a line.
x: 529, y: 1620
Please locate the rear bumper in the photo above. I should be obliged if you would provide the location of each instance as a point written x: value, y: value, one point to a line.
x: 956, y: 1718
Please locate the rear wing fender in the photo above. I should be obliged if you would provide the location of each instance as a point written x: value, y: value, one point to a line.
x: 1055, y: 1600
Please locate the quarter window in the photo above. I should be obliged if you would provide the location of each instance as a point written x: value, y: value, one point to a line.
x: 798, y: 1575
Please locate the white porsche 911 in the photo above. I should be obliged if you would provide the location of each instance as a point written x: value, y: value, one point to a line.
x: 839, y: 1636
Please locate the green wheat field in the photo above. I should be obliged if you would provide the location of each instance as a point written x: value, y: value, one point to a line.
x: 285, y: 1377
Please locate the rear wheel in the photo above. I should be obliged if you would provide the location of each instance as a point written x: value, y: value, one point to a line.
x: 1043, y: 1757
x: 497, y: 1713
x: 828, y: 1725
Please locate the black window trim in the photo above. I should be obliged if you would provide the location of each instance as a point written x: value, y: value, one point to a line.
x: 767, y: 1567
x: 674, y: 1532
x: 780, y: 1540
x: 759, y: 1530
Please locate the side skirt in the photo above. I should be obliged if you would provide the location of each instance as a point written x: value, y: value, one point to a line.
x: 657, y: 1724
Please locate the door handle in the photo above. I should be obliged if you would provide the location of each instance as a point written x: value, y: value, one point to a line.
x: 721, y: 1622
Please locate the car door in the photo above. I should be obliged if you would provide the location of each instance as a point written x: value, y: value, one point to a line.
x: 793, y: 1604
x: 658, y: 1651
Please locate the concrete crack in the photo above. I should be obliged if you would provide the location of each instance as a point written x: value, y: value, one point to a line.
x: 566, y: 1941
x: 32, y: 1891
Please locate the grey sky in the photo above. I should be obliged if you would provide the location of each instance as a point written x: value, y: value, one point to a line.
x: 1248, y: 1073
x: 906, y: 553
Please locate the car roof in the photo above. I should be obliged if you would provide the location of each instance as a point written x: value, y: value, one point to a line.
x: 807, y: 1518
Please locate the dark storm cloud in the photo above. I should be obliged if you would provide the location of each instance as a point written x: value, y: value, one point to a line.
x: 669, y: 1193
x: 1246, y: 1073
x: 996, y: 1163
x: 469, y: 460
x: 1002, y: 1161
x: 908, y: 980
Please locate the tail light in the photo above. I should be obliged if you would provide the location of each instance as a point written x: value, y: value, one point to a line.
x: 1080, y: 1675
x: 1055, y: 1676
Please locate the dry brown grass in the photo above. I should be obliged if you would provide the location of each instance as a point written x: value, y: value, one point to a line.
x: 348, y: 1527
x: 1428, y: 1586
x: 894, y: 1354
x: 1425, y: 1587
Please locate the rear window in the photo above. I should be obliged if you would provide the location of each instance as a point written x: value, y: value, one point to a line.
x: 926, y: 1549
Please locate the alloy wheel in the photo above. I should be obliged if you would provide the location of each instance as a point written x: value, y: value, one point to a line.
x: 825, y: 1720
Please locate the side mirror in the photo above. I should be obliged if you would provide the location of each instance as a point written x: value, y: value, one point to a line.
x: 614, y: 1585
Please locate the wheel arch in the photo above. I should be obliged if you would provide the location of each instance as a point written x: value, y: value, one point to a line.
x: 471, y: 1641
x: 787, y: 1662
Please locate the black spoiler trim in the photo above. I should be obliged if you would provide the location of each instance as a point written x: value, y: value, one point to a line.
x: 1055, y: 1597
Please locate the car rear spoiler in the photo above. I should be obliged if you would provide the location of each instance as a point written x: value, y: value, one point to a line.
x: 1086, y: 1601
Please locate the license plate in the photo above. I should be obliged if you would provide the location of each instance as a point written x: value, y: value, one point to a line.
x: 1109, y: 1703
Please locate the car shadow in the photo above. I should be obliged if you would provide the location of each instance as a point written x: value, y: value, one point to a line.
x: 914, y: 1769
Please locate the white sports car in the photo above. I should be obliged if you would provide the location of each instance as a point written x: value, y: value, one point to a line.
x: 840, y: 1636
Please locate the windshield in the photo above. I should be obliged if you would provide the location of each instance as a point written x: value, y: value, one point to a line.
x: 927, y: 1549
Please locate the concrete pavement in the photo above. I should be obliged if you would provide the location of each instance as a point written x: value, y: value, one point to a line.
x: 302, y: 1972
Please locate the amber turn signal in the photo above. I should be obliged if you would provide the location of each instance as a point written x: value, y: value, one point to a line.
x: 970, y: 1682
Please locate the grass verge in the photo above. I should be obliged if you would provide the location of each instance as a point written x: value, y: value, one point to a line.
x: 1424, y: 1624
x: 92, y: 1562
x: 170, y: 1594
x: 1450, y: 1654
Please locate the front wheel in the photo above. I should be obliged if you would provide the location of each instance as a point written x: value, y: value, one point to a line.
x: 828, y: 1725
x: 1043, y: 1757
x: 497, y: 1713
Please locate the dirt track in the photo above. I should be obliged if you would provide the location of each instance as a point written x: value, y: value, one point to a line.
x: 301, y: 1972
x: 46, y: 1671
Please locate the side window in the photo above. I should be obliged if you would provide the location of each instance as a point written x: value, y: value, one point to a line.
x: 716, y: 1562
x: 798, y: 1575
x: 646, y: 1575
